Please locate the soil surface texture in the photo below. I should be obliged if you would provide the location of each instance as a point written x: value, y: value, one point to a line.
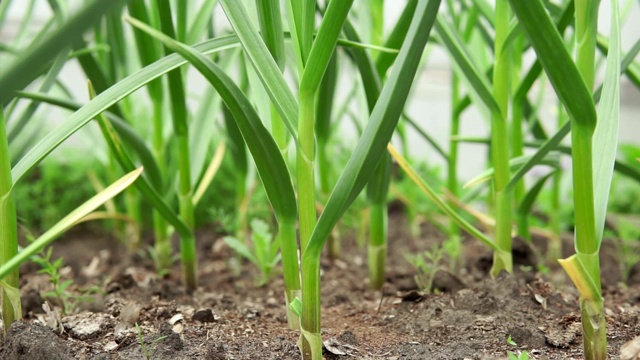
x: 135, y: 314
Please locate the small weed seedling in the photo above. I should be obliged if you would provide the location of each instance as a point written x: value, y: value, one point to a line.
x: 426, y: 265
x: 264, y: 253
x: 152, y: 254
x: 143, y: 345
x: 65, y: 298
x: 523, y: 355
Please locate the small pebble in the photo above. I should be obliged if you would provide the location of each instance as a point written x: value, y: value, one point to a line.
x: 111, y: 345
x: 204, y: 316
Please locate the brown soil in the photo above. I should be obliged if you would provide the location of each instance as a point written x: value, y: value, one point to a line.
x: 229, y: 317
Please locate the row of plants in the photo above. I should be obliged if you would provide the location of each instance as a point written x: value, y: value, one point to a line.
x: 270, y: 122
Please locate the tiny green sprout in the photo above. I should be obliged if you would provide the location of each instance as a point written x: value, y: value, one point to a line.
x: 66, y: 298
x: 427, y: 265
x: 143, y: 345
x: 522, y: 356
x: 152, y: 253
x: 543, y: 269
x: 264, y: 253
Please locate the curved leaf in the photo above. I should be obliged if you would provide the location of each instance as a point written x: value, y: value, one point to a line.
x: 108, y: 98
x: 268, y: 159
x: 379, y: 129
x: 70, y: 220
x: 130, y: 138
x: 556, y: 61
x: 550, y: 159
x: 264, y: 64
x: 26, y: 68
x: 476, y: 80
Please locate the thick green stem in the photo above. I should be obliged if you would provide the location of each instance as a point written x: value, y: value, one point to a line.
x: 594, y: 327
x: 182, y: 20
x: 500, y: 140
x: 377, y: 244
x: 179, y: 115
x: 502, y: 260
x: 187, y: 213
x: 188, y: 253
x: 162, y: 243
x: 185, y: 193
x: 8, y: 230
x: 310, y: 338
x: 270, y: 21
x: 305, y: 169
x: 377, y: 21
x: 517, y: 137
x: 586, y: 37
x: 593, y: 321
x: 583, y: 193
x: 290, y: 268
x: 377, y: 190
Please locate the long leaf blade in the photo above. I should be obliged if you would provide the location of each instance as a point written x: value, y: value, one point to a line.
x: 556, y: 60
x: 379, y: 129
x: 108, y: 98
x: 475, y: 78
x: 70, y: 220
x: 605, y: 137
x: 29, y: 66
x: 264, y: 64
x: 266, y: 153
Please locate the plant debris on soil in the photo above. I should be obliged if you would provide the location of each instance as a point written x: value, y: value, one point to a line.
x: 138, y: 315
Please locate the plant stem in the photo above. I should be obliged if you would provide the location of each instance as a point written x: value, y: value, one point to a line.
x: 270, y: 20
x: 179, y: 115
x: 378, y: 186
x: 500, y: 141
x: 586, y: 36
x: 377, y: 190
x: 517, y: 138
x: 305, y: 168
x: 593, y: 320
x: 376, y: 7
x: 594, y: 328
x: 8, y: 229
x: 161, y: 242
x: 377, y: 244
x: 311, y: 339
x: 583, y: 194
x: 368, y: 151
x: 290, y: 268
x: 324, y: 110
x: 452, y: 170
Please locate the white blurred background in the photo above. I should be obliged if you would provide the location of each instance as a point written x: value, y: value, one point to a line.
x: 429, y: 105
